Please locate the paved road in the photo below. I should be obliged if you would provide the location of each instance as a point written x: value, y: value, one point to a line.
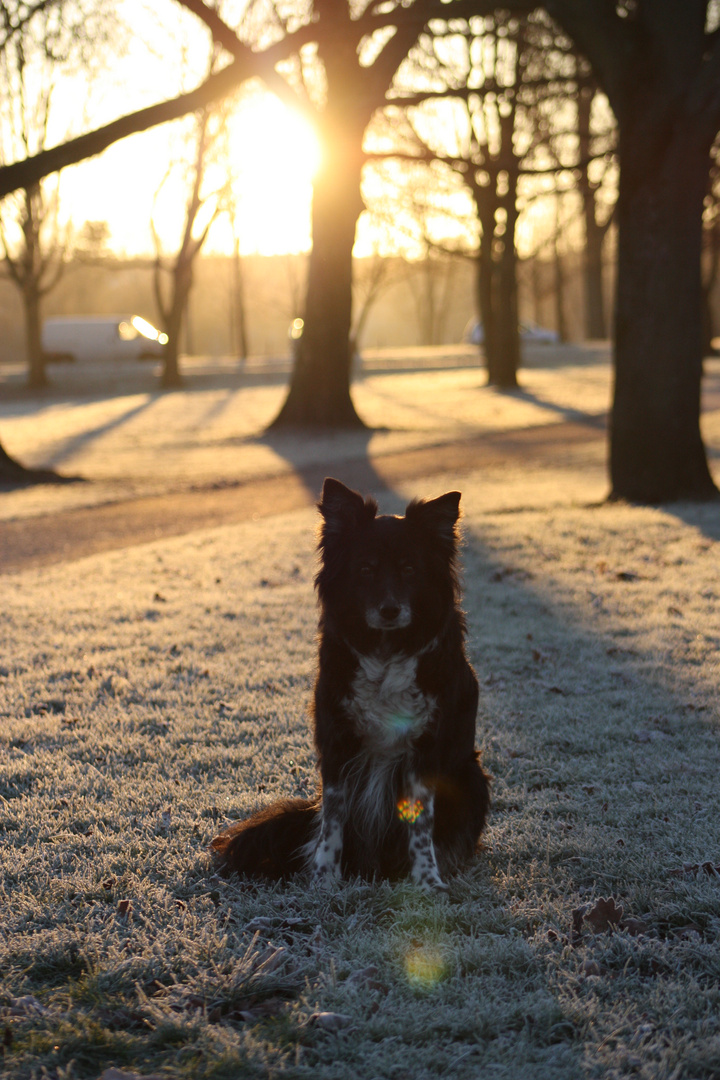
x: 72, y: 534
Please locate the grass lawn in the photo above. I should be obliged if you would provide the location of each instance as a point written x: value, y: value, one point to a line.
x: 151, y: 695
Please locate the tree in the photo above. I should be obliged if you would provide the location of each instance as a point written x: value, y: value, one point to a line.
x: 595, y: 157
x: 355, y: 83
x: 502, y: 82
x: 173, y: 277
x: 660, y: 69
x: 33, y: 242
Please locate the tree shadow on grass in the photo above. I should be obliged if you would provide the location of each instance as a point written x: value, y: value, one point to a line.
x: 604, y: 766
x: 313, y: 456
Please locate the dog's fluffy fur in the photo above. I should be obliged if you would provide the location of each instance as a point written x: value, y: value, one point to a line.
x: 403, y: 792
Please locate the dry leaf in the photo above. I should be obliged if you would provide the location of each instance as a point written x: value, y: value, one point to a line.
x: 120, y: 1074
x: 604, y: 915
x: 693, y: 870
x: 329, y: 1021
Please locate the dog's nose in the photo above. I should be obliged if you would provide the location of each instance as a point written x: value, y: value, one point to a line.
x: 390, y: 612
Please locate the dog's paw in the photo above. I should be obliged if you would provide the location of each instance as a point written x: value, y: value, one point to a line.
x: 325, y: 876
x: 430, y: 883
x: 326, y: 871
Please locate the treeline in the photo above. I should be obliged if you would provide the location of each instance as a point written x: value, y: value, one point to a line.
x: 398, y: 303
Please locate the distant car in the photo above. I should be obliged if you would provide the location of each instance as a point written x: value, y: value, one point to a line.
x: 101, y: 337
x: 531, y: 333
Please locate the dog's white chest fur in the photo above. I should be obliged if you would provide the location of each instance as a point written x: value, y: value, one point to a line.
x: 386, y: 704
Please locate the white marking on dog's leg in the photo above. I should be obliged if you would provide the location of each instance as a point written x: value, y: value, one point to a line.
x: 423, y: 861
x: 328, y: 853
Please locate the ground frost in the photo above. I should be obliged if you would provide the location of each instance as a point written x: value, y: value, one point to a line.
x: 167, y: 696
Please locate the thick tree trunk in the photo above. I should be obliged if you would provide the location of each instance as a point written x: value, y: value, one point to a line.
x: 319, y: 395
x: 484, y: 275
x: 15, y: 475
x: 656, y: 452
x: 503, y: 369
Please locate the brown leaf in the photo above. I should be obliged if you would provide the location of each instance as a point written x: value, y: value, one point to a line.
x: 120, y: 1074
x: 603, y: 915
x: 329, y: 1021
x: 694, y: 870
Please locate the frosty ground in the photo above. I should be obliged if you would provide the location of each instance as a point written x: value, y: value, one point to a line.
x: 152, y: 693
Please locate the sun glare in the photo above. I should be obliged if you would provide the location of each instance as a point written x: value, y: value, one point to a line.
x: 276, y: 155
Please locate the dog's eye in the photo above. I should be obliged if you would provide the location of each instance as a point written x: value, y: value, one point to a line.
x: 407, y: 570
x: 366, y: 570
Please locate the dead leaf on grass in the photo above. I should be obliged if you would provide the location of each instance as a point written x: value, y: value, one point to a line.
x: 120, y: 1074
x: 26, y: 1006
x: 695, y: 870
x: 602, y: 916
x: 329, y: 1021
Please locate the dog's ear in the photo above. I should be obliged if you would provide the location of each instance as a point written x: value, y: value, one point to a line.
x: 438, y: 515
x: 343, y: 508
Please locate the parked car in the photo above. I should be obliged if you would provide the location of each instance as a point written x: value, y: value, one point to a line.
x: 530, y: 333
x: 101, y: 337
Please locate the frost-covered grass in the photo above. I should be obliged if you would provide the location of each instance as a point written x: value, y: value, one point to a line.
x: 150, y: 696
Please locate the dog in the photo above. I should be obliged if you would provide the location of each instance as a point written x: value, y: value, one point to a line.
x: 403, y: 793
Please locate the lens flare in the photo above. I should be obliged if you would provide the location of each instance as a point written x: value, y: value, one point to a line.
x: 409, y: 809
x: 425, y: 967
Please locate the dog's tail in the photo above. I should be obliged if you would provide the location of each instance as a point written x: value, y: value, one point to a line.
x: 272, y: 843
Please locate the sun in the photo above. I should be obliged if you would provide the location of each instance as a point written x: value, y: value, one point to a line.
x: 276, y: 154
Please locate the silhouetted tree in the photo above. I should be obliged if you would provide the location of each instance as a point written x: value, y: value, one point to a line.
x: 173, y: 276
x: 595, y: 154
x: 659, y: 64
x: 34, y: 57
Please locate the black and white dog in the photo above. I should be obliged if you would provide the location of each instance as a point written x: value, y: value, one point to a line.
x: 403, y: 792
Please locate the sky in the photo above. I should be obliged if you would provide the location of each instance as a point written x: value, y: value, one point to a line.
x: 157, y: 52
x: 133, y: 182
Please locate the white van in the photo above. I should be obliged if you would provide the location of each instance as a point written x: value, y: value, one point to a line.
x: 101, y: 337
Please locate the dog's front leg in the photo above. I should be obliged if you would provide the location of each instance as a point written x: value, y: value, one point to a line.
x: 420, y: 817
x: 328, y: 853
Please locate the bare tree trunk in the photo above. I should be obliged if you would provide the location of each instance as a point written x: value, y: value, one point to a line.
x: 239, y: 316
x: 14, y: 475
x: 595, y: 320
x: 656, y: 452
x: 503, y: 370
x: 559, y: 292
x: 171, y: 378
x: 319, y: 394
x: 37, y: 375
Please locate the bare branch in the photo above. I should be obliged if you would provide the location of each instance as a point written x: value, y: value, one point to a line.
x: 25, y: 173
